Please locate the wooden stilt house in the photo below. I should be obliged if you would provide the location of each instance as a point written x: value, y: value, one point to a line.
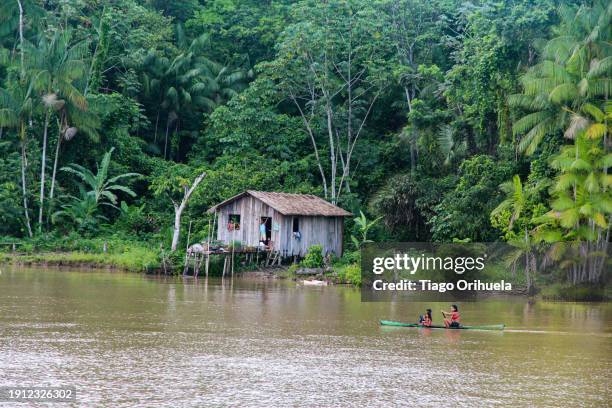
x: 288, y: 223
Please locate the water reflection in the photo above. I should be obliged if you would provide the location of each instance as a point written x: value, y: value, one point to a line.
x: 127, y: 339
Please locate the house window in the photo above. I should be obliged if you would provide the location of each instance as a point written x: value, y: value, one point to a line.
x: 234, y: 222
x: 296, y: 229
x: 296, y: 224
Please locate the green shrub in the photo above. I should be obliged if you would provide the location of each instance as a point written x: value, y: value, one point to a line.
x: 293, y: 269
x: 349, y: 257
x: 314, y: 257
x: 75, y: 250
x: 137, y: 220
x: 352, y: 274
x: 349, y: 274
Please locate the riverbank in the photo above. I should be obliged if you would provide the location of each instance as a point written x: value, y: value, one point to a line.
x: 145, y: 260
x: 135, y: 260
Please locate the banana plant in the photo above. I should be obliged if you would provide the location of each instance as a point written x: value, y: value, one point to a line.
x: 95, y: 190
x: 363, y: 226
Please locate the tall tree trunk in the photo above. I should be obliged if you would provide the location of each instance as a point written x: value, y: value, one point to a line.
x: 413, y: 137
x: 55, y: 161
x: 166, y: 141
x: 527, y: 263
x: 22, y: 70
x: 178, y: 210
x: 156, y: 124
x: 43, y: 165
x: 23, y: 180
x: 332, y: 152
x: 177, y: 153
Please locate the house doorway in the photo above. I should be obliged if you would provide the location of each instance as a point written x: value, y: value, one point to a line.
x: 266, y: 236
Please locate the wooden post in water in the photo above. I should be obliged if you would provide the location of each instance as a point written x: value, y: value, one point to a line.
x: 187, y: 250
x: 208, y: 247
x: 197, y: 263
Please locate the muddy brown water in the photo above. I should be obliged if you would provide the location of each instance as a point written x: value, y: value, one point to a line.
x: 131, y: 340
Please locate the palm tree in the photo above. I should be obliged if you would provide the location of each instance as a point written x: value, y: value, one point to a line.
x: 56, y: 64
x: 13, y: 17
x: 523, y: 250
x: 516, y: 202
x: 567, y: 92
x: 582, y: 207
x: 187, y: 84
x: 574, y: 71
x: 516, y: 198
x: 449, y: 145
x: 153, y: 86
x: 16, y: 106
x: 582, y: 197
x: 72, y: 120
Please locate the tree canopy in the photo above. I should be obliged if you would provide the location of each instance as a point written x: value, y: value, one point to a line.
x: 448, y: 120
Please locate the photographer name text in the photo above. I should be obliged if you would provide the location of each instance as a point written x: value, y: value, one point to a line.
x: 428, y: 285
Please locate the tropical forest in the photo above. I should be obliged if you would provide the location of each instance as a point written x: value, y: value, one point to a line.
x: 123, y: 121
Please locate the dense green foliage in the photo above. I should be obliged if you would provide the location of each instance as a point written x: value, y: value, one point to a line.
x: 314, y: 257
x: 448, y: 120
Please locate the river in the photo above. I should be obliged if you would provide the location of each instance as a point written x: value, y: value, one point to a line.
x: 131, y: 340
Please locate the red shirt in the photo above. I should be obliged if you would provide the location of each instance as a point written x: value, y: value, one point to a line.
x: 455, y: 316
x: 426, y: 321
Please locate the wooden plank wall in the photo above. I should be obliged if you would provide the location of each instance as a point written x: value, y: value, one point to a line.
x: 251, y: 210
x: 325, y: 231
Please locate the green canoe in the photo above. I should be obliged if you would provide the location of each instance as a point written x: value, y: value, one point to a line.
x: 400, y: 324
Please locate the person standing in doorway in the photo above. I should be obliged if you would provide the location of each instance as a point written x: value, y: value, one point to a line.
x: 262, y: 232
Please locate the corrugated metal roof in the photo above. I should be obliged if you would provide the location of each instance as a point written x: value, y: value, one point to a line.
x: 291, y: 204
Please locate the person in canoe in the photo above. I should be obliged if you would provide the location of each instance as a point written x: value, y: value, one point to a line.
x: 452, y: 318
x: 426, y: 320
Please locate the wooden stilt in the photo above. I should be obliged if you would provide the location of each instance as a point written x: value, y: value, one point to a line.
x: 198, y: 262
x: 187, y: 249
x: 208, y: 248
x: 186, y: 264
